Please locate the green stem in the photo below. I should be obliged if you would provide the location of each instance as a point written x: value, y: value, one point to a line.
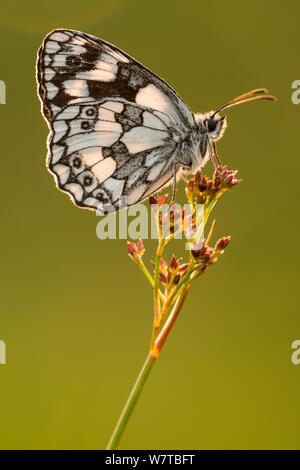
x: 171, y: 320
x: 207, y: 210
x: 184, y: 280
x: 130, y: 403
x: 156, y: 273
x: 150, y: 279
x: 158, y: 256
x: 146, y: 272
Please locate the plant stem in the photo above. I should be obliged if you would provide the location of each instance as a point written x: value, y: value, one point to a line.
x: 146, y: 272
x: 160, y: 340
x: 150, y: 279
x: 155, y: 291
x: 145, y: 371
x: 130, y: 403
x: 176, y: 291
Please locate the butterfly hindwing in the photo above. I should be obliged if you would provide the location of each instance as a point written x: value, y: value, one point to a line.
x: 76, y: 66
x: 111, y: 153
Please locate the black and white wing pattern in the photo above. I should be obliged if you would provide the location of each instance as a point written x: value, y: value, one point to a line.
x: 115, y: 126
x: 110, y: 152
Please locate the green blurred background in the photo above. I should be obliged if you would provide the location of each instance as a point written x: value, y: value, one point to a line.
x: 76, y: 313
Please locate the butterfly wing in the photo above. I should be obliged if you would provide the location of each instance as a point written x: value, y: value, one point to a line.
x: 115, y: 126
x: 76, y: 66
x: 111, y: 153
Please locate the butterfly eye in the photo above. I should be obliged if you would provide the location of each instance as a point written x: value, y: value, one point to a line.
x: 211, y: 124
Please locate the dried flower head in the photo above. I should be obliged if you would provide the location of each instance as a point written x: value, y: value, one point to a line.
x: 175, y: 278
x: 203, y: 189
x: 170, y: 274
x: 136, y: 251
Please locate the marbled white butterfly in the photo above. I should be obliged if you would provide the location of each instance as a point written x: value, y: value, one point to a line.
x: 118, y: 132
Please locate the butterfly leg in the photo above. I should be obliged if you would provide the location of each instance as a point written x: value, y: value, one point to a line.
x: 177, y: 166
x: 216, y: 154
x: 175, y: 169
x: 211, y: 155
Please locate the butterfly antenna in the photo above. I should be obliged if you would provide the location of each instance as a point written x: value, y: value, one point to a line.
x: 246, y: 98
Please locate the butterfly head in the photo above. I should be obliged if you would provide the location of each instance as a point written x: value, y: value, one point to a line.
x: 215, y: 126
x: 211, y: 124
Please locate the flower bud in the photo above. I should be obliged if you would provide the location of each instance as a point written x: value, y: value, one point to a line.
x: 162, y: 278
x: 136, y: 251
x: 222, y: 243
x: 176, y: 279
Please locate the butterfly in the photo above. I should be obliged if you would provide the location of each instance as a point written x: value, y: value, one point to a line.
x: 118, y: 132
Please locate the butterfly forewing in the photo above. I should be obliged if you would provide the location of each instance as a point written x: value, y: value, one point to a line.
x: 115, y: 126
